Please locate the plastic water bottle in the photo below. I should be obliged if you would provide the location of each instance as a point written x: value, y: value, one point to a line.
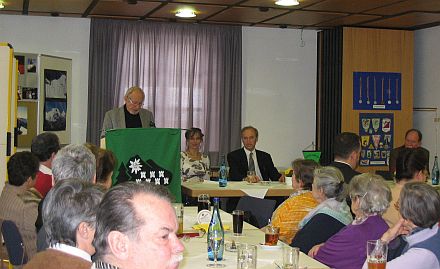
x: 223, y: 173
x: 216, y: 226
x: 435, y: 172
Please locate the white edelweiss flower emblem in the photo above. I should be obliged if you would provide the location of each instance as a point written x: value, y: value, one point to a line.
x: 135, y: 166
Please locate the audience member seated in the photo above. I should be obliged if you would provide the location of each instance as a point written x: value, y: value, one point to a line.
x: 330, y: 216
x: 288, y: 215
x: 410, y: 166
x: 413, y: 139
x: 347, y: 150
x: 69, y: 215
x: 419, y: 206
x: 45, y: 146
x: 136, y: 228
x: 72, y: 161
x: 250, y: 159
x: 16, y: 202
x: 105, y: 164
x: 194, y: 165
x: 370, y: 196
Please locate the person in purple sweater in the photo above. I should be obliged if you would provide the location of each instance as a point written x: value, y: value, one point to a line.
x: 370, y: 197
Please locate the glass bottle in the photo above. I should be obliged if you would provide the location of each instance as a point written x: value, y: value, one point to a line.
x: 216, y: 226
x: 435, y: 172
x: 223, y: 173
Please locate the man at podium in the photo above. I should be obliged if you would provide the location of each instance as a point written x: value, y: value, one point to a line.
x: 131, y: 114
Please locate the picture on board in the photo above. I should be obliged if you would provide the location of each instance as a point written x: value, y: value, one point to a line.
x: 55, y: 115
x: 22, y: 120
x: 55, y: 84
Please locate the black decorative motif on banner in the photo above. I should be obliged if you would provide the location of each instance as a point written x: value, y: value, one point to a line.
x: 135, y: 169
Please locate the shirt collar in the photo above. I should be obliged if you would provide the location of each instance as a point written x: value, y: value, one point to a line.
x: 45, y: 170
x: 248, y: 151
x: 339, y: 161
x: 421, y: 235
x: 72, y: 251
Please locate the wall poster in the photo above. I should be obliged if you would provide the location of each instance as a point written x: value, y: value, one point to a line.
x: 377, y: 91
x: 377, y: 136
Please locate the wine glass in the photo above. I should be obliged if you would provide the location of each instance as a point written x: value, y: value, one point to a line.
x: 215, y: 240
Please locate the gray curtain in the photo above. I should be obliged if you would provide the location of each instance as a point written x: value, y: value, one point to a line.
x: 191, y: 75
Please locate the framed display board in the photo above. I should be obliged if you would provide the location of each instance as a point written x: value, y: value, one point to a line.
x: 55, y: 97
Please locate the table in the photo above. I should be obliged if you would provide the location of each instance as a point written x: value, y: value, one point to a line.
x: 195, y: 254
x: 391, y: 184
x: 235, y: 188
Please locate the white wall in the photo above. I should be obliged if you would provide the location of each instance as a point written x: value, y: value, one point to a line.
x: 279, y: 77
x: 427, y: 86
x: 63, y: 37
x: 279, y: 90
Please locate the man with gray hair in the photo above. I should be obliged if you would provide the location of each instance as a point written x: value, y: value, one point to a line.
x: 69, y: 215
x: 131, y: 115
x: 136, y: 229
x: 72, y: 161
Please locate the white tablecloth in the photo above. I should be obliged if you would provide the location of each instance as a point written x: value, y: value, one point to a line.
x: 196, y: 257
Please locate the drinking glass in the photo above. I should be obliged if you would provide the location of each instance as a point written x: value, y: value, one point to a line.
x: 237, y: 222
x: 247, y: 256
x: 203, y: 202
x: 215, y: 240
x: 290, y: 257
x: 376, y: 254
x: 272, y: 235
x: 178, y: 208
x: 251, y: 176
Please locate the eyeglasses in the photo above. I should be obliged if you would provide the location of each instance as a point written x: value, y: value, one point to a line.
x: 135, y: 103
x: 353, y: 196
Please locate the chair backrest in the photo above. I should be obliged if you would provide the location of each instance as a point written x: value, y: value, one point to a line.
x: 14, y: 243
x: 257, y: 211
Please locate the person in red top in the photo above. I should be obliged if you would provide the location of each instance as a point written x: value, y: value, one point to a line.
x: 45, y: 146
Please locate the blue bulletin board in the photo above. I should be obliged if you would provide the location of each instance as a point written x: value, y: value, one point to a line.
x: 377, y: 91
x: 376, y: 132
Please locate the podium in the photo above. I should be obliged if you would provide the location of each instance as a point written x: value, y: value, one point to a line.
x: 147, y: 155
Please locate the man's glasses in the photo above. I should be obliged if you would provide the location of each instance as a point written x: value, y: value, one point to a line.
x: 135, y: 103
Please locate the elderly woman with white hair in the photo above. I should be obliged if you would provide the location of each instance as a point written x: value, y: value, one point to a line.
x: 370, y: 197
x: 419, y: 206
x: 330, y: 215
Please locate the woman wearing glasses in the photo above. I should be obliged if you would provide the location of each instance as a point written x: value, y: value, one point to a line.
x: 131, y: 114
x: 370, y: 197
x: 410, y: 166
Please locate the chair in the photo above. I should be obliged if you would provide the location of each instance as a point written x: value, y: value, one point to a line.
x: 257, y: 211
x: 14, y: 243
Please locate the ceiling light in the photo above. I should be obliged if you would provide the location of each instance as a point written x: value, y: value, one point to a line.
x: 185, y: 13
x: 2, y: 5
x: 287, y: 3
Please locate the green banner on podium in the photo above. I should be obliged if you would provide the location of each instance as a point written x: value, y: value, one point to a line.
x: 312, y: 155
x: 147, y: 155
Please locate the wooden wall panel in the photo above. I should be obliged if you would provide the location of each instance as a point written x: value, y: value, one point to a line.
x: 378, y: 50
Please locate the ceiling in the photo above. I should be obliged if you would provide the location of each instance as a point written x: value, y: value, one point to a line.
x: 310, y: 14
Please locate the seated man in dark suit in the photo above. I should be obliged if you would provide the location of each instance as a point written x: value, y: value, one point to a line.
x: 347, y: 150
x: 413, y: 139
x: 250, y: 159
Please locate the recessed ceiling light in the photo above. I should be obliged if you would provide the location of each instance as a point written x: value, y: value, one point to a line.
x: 287, y: 3
x: 186, y: 13
x: 2, y: 5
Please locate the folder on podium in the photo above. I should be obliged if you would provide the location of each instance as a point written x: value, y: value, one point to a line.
x: 146, y: 155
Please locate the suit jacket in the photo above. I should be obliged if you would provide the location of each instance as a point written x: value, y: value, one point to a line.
x: 346, y: 170
x: 115, y: 119
x: 238, y: 165
x: 395, y: 152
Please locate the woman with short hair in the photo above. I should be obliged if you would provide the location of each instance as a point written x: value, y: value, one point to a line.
x: 419, y: 206
x: 370, y: 197
x: 331, y: 214
x: 288, y: 215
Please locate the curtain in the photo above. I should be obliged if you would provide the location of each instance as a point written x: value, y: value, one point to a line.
x: 190, y: 73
